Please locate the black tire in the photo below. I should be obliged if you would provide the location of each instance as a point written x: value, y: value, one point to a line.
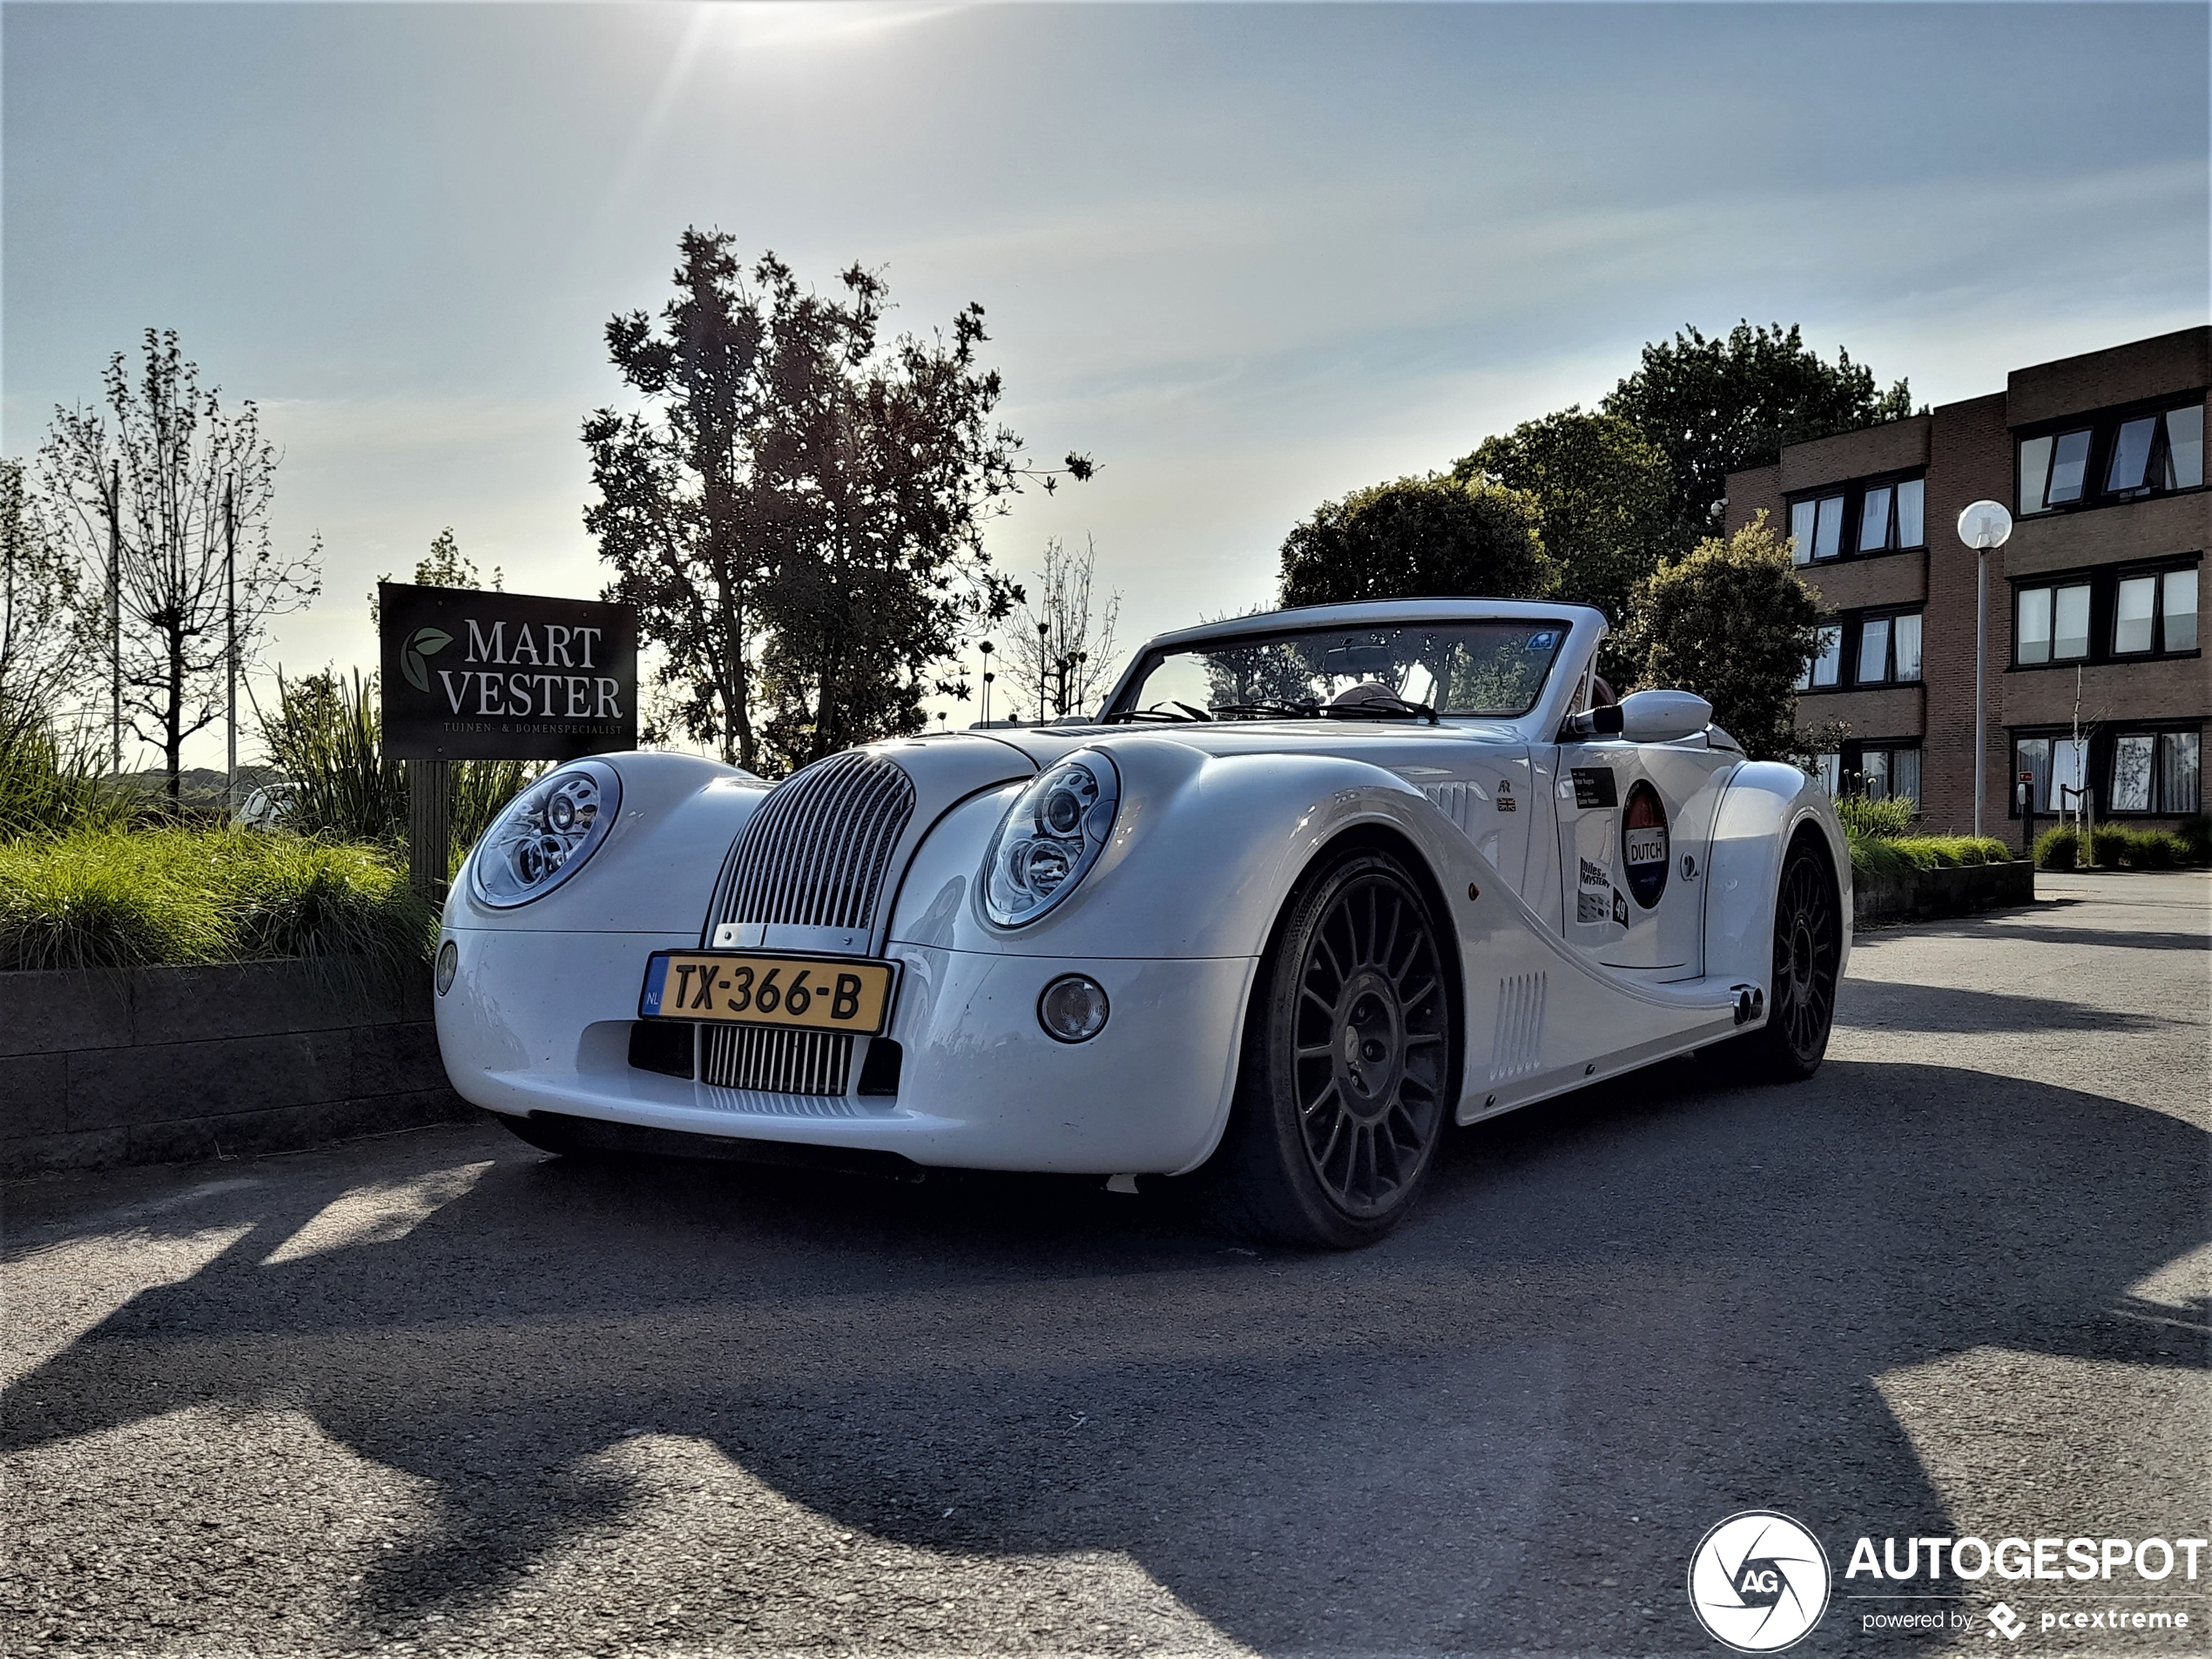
x: 1808, y: 946
x: 1343, y: 1090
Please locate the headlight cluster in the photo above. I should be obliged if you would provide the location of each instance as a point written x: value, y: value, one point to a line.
x: 1050, y: 837
x: 542, y: 836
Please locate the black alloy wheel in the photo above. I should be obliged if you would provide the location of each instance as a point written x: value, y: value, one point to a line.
x: 1344, y: 1091
x: 1808, y: 946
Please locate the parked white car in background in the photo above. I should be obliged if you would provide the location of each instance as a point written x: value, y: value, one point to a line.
x: 1314, y: 883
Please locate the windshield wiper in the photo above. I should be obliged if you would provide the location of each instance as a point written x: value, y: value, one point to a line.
x: 1383, y: 708
x: 1169, y: 716
x: 1268, y: 711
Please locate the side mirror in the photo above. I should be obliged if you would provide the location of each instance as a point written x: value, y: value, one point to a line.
x: 1663, y: 716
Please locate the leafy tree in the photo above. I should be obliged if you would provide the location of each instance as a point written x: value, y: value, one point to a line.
x: 170, y: 481
x: 41, y: 640
x: 798, y: 512
x: 671, y: 512
x: 444, y: 566
x: 1061, y: 656
x: 1716, y: 405
x: 1600, y: 489
x: 1732, y: 622
x: 1418, y: 537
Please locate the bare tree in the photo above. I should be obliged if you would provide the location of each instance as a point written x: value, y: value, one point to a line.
x: 1062, y: 655
x: 163, y: 498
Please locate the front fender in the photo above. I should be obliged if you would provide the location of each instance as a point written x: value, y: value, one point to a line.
x: 1205, y: 851
x: 655, y: 872
x: 1762, y: 809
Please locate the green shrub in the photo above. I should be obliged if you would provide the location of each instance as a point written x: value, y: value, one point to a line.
x: 47, y: 786
x: 1875, y: 855
x: 2115, y: 847
x: 2195, y: 836
x: 106, y: 898
x: 1896, y: 854
x: 325, y: 735
x: 1885, y: 818
x: 2057, y: 849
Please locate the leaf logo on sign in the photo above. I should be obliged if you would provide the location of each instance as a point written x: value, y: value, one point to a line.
x: 423, y: 642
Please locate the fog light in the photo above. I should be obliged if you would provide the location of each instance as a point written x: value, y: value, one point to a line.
x: 1073, y: 1008
x: 448, y: 965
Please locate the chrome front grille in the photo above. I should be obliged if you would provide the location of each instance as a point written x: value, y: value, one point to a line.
x: 776, y: 1060
x: 815, y: 853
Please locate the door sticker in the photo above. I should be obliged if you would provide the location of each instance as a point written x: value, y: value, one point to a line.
x: 1643, y: 844
x: 1593, y: 786
x: 1593, y: 894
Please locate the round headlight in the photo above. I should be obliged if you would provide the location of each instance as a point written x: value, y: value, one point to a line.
x: 542, y: 836
x: 1050, y: 837
x: 448, y: 965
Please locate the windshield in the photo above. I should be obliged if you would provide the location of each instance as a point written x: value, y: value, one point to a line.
x: 1492, y: 669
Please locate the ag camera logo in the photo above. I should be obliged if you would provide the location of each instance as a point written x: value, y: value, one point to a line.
x: 1758, y: 1582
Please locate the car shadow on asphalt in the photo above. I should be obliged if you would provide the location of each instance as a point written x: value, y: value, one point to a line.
x: 1909, y: 1007
x: 2001, y: 926
x: 1615, y: 1319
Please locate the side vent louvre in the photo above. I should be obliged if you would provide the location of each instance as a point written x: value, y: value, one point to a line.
x: 1456, y: 801
x: 1517, y: 1048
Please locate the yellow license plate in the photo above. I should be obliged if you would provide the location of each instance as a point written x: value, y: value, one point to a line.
x: 741, y: 988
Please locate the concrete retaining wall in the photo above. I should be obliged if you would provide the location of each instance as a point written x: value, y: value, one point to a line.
x: 154, y: 1064
x: 1942, y: 893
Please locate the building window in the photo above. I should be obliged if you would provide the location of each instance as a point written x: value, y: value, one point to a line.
x: 1827, y: 660
x: 2055, y: 767
x: 1888, y: 516
x: 1817, y: 529
x: 2155, y: 772
x: 1888, y: 771
x: 1829, y: 768
x: 2051, y: 624
x: 1889, y: 650
x: 2156, y: 612
x: 2142, y: 454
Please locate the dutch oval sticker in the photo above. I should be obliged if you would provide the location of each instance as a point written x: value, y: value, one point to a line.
x: 1643, y: 844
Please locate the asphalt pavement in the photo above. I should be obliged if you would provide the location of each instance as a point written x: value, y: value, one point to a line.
x: 439, y: 1392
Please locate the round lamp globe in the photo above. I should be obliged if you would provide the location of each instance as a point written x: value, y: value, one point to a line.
x: 1985, y: 524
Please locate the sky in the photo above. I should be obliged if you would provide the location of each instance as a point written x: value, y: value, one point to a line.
x: 1248, y: 256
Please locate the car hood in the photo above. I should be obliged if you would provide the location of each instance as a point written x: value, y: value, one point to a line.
x: 1373, y: 740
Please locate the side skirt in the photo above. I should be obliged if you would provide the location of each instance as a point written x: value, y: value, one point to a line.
x: 1561, y: 1080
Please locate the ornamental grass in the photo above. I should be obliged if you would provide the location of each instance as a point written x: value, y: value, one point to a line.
x: 105, y: 899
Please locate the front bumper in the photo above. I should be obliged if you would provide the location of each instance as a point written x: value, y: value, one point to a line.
x: 540, y: 1021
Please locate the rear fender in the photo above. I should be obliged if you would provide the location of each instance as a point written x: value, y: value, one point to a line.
x: 1766, y: 806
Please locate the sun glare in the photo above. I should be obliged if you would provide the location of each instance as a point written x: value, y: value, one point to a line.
x: 755, y: 25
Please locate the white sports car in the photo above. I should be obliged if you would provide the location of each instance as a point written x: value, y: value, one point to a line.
x: 1312, y: 884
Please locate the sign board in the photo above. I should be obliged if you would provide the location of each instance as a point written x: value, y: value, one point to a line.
x: 475, y: 676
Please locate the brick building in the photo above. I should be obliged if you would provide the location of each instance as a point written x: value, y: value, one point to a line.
x: 2093, y: 602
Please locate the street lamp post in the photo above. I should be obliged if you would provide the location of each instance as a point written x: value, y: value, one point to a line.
x: 988, y: 677
x: 1985, y: 524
